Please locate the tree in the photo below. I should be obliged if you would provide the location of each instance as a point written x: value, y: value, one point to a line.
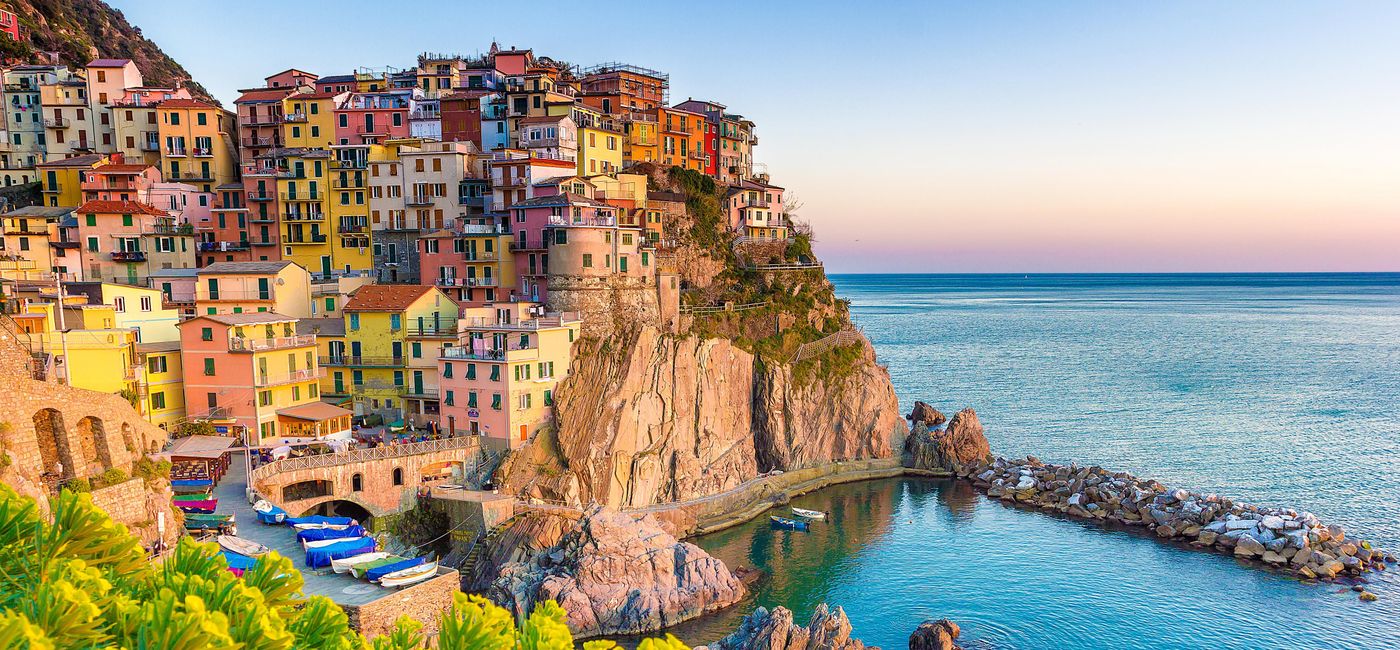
x: 193, y: 428
x: 83, y: 581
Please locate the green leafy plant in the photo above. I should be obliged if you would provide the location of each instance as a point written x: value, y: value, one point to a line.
x: 113, y: 476
x: 193, y: 428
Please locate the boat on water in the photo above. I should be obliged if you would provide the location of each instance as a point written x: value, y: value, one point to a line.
x: 359, y: 570
x: 809, y: 514
x: 344, y: 565
x: 789, y: 524
x: 268, y: 513
x: 241, y: 546
x: 409, y: 576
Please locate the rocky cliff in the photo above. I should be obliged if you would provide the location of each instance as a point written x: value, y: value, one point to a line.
x: 617, y: 573
x: 775, y: 630
x: 961, y: 443
x: 652, y: 418
x: 79, y: 31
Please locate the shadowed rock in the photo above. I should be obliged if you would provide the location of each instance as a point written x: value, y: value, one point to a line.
x: 961, y: 443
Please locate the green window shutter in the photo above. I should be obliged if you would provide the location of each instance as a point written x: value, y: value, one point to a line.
x: 209, y: 367
x: 417, y: 350
x: 496, y: 402
x: 447, y: 371
x: 495, y: 372
x: 126, y: 220
x: 471, y: 371
x: 92, y: 221
x: 206, y: 334
x: 471, y: 399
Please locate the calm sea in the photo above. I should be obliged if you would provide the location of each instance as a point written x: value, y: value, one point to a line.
x: 1278, y: 389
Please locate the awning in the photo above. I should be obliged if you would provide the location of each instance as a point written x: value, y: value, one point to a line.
x: 314, y: 412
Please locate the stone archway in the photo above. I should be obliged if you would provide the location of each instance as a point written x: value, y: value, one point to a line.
x: 52, y: 437
x: 93, y: 438
x: 307, y: 490
x: 344, y: 508
x: 129, y: 440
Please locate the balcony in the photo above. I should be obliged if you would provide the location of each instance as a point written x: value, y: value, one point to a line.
x: 527, y: 245
x: 236, y: 296
x: 512, y: 352
x: 128, y: 256
x: 203, y: 152
x: 562, y: 220
x: 350, y: 360
x: 447, y: 330
x: 473, y: 201
x: 303, y: 216
x: 150, y: 145
x: 259, y: 120
x: 349, y: 182
x: 58, y: 123
x: 262, y: 196
x: 295, y: 376
x: 223, y: 246
x: 312, y: 240
x: 177, y: 152
x: 346, y: 229
x: 264, y: 242
x: 418, y: 199
x: 53, y: 187
x: 294, y: 118
x: 479, y: 256
x: 754, y: 202
x: 373, y: 389
x: 245, y: 344
x: 298, y: 196
x: 372, y: 129
x: 466, y: 282
x: 349, y: 163
x: 259, y: 142
x: 534, y: 324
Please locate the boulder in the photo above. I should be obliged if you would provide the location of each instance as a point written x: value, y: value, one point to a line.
x: 1247, y: 546
x: 961, y: 443
x: 828, y: 629
x: 926, y: 414
x: 619, y: 573
x: 935, y: 635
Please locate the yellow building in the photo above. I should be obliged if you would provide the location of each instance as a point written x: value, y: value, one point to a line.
x: 251, y: 287
x: 141, y: 309
x: 393, y: 334
x: 599, y: 150
x: 308, y: 119
x: 349, y: 209
x: 63, y: 179
x: 640, y: 144
x: 32, y: 234
x: 162, y: 386
x: 328, y: 296
x: 196, y: 143
x: 330, y: 342
x: 305, y: 197
x: 92, y: 353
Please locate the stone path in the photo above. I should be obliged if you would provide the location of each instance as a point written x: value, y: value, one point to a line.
x: 342, y: 588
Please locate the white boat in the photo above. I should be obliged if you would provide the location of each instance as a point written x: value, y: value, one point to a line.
x: 320, y: 526
x: 327, y: 542
x: 809, y: 514
x: 241, y: 546
x: 409, y: 576
x: 344, y: 565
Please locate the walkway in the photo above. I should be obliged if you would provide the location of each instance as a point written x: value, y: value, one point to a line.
x: 339, y: 587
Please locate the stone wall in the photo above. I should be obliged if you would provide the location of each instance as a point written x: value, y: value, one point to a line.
x: 378, y: 494
x: 140, y: 506
x: 608, y: 304
x: 424, y: 602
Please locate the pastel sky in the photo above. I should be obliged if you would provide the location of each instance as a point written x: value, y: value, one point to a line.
x: 962, y: 136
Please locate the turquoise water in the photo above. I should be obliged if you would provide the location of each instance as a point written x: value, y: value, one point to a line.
x: 1278, y: 389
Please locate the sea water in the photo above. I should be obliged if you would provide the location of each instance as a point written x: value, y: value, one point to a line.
x: 1275, y: 389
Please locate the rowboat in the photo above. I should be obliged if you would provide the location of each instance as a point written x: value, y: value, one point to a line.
x: 187, y: 486
x: 321, y: 557
x: 319, y: 534
x: 222, y: 523
x: 790, y: 524
x: 205, y: 517
x: 242, y: 546
x: 206, y: 506
x: 202, y: 496
x: 309, y: 544
x: 359, y: 570
x: 320, y: 526
x: 238, y: 563
x: 345, y: 564
x: 375, y: 574
x: 409, y: 576
x: 809, y: 514
x: 318, y: 520
x: 268, y: 513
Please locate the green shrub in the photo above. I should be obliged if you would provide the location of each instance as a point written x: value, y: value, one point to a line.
x: 79, y: 484
x: 151, y: 470
x: 113, y: 476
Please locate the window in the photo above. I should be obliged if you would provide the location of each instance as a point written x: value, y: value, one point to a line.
x: 588, y: 260
x: 446, y: 370
x: 495, y: 372
x: 92, y: 220
x: 471, y: 400
x: 448, y: 398
x: 206, y: 334
x: 330, y: 305
x: 201, y: 119
x: 357, y: 482
x: 145, y: 303
x: 398, y: 476
x: 120, y: 303
x: 417, y: 350
x: 354, y: 321
x: 209, y: 367
x: 524, y: 401
x: 264, y: 398
x: 156, y: 365
x: 157, y: 401
x: 496, y: 402
x: 471, y: 371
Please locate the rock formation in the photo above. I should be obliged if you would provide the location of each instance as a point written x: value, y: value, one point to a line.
x: 616, y: 573
x: 653, y: 418
x: 927, y: 415
x: 775, y: 630
x: 1280, y: 537
x: 941, y: 634
x: 961, y: 443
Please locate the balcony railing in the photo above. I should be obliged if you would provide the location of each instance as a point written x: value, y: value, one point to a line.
x: 563, y: 220
x: 444, y: 330
x: 222, y: 246
x: 291, y: 118
x: 361, y: 455
x: 305, y: 374
x: 312, y: 239
x: 467, y: 282
x: 245, y: 344
x: 527, y: 245
x: 259, y: 142
x: 150, y: 145
x: 175, y: 151
x: 534, y: 324
x: 58, y: 123
x: 356, y: 360
x: 486, y: 354
x: 418, y: 199
x: 479, y: 256
x: 259, y: 120
x: 203, y: 151
x: 128, y: 256
x: 226, y: 294
x: 298, y: 196
x: 262, y: 196
x: 303, y: 216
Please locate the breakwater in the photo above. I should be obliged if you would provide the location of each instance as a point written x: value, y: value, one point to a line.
x: 1278, y: 537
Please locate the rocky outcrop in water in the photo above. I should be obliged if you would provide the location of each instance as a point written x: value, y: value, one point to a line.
x: 1279, y: 537
x: 941, y: 634
x: 774, y: 629
x: 961, y: 443
x: 649, y: 418
x: 617, y: 573
x: 927, y: 415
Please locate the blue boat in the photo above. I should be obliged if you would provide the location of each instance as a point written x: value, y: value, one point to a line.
x: 320, y: 557
x: 322, y: 534
x: 238, y: 561
x: 373, y: 575
x: 268, y: 513
x: 787, y: 524
x: 319, y: 520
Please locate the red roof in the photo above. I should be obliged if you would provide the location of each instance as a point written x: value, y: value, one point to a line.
x: 108, y: 63
x: 121, y: 169
x: 269, y: 95
x: 180, y: 102
x: 120, y: 207
x: 385, y: 297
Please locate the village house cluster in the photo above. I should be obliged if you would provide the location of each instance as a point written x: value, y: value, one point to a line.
x: 377, y: 246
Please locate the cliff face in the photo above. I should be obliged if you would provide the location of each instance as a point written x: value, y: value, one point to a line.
x: 82, y: 30
x: 650, y: 418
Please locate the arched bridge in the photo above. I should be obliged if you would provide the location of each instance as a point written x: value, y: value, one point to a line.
x: 380, y: 479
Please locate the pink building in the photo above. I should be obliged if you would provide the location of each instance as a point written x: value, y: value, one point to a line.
x: 119, y: 182
x: 582, y: 233
x: 755, y: 209
x: 369, y: 118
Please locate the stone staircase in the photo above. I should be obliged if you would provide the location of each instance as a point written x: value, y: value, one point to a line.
x: 469, y: 565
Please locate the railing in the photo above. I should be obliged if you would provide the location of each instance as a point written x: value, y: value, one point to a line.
x: 174, y: 151
x: 53, y: 187
x: 479, y: 256
x: 384, y: 452
x: 717, y: 309
x: 563, y: 220
x: 294, y: 117
x: 310, y: 239
x: 128, y: 256
x: 429, y: 330
x: 57, y: 122
x: 825, y: 344
x: 304, y: 216
x: 527, y: 245
x: 203, y: 151
x: 418, y: 199
x: 245, y: 344
x: 534, y: 324
x: 754, y: 202
x: 357, y: 360
x: 226, y: 294
x: 467, y: 282
x: 489, y: 354
x: 150, y: 145
x: 365, y: 129
x: 252, y: 120
x: 297, y: 196
x: 785, y: 267
x: 221, y: 246
x: 262, y: 196
x: 305, y: 374
x: 258, y: 142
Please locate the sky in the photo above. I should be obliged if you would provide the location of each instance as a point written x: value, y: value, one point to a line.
x: 961, y: 137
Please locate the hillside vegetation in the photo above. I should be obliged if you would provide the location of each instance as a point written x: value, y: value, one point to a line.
x: 82, y: 30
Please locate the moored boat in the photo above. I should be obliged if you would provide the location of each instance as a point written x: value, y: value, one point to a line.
x: 241, y: 546
x: 268, y: 513
x: 411, y: 575
x: 359, y: 570
x: 789, y: 524
x: 809, y: 514
x: 344, y: 565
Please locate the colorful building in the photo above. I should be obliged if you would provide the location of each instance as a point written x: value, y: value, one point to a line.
x: 755, y: 209
x: 281, y: 287
x: 161, y: 387
x: 392, y: 337
x: 498, y: 381
x: 122, y: 241
x: 196, y: 143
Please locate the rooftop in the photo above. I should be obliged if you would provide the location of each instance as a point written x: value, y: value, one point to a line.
x: 321, y: 326
x: 158, y: 346
x: 248, y: 318
x: 180, y: 102
x: 386, y: 297
x: 314, y: 411
x: 120, y: 207
x: 40, y: 211
x: 108, y: 63
x: 558, y: 200
x: 85, y: 160
x: 245, y: 268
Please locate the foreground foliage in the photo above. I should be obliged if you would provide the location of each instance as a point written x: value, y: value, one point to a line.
x: 83, y: 581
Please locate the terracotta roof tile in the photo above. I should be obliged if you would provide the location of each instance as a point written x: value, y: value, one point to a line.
x: 180, y: 102
x: 120, y: 207
x: 268, y: 95
x: 386, y: 297
x: 120, y: 169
